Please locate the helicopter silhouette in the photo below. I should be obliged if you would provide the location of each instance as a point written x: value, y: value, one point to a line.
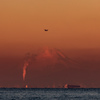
x: 45, y: 29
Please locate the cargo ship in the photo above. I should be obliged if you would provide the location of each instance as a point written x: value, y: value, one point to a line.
x: 71, y: 86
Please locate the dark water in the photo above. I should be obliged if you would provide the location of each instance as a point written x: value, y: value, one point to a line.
x: 49, y: 94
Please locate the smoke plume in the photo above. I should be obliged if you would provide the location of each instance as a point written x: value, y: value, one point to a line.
x: 26, y: 64
x: 24, y: 70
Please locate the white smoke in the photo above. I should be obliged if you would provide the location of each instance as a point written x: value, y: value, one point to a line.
x: 26, y: 64
x: 24, y: 70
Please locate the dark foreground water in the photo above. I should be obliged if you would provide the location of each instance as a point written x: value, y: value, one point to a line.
x: 49, y: 94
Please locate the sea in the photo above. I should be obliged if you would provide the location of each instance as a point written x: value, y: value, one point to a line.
x: 49, y: 94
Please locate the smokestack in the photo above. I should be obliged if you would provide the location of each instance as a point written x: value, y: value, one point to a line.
x: 26, y: 86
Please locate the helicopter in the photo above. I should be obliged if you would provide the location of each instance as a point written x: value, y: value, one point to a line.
x: 45, y: 29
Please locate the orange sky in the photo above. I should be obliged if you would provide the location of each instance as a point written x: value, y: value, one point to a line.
x: 71, y: 23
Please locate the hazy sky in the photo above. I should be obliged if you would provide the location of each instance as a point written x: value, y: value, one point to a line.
x: 71, y: 24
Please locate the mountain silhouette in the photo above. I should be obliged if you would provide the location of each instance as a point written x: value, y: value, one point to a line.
x: 47, y: 66
x: 50, y: 58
